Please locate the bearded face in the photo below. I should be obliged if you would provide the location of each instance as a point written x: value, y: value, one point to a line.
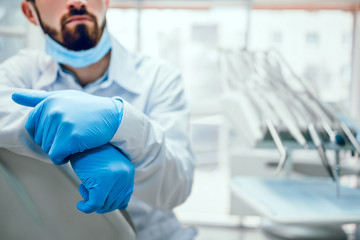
x: 79, y: 29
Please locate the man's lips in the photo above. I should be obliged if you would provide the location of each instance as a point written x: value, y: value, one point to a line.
x: 78, y: 19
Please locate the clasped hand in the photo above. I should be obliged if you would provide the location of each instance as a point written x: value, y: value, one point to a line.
x: 68, y: 122
x: 107, y: 179
x: 75, y: 126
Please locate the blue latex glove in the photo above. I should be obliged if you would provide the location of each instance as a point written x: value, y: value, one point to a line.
x: 107, y: 179
x: 66, y: 122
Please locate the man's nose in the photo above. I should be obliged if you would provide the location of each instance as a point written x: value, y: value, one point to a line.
x: 76, y: 4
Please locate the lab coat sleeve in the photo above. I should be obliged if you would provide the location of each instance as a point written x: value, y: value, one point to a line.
x: 158, y: 146
x: 14, y: 77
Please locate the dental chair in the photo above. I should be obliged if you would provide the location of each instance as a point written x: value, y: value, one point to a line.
x: 38, y: 201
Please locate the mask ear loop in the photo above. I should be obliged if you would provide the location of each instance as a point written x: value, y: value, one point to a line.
x: 34, y: 13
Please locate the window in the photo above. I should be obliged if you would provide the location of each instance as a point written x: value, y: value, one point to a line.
x: 311, y: 73
x: 276, y: 38
x: 122, y: 24
x: 312, y: 39
x: 311, y: 44
x: 12, y: 29
x: 205, y: 34
x: 347, y: 40
x: 10, y: 46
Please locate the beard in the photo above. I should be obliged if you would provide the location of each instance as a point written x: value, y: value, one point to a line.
x: 80, y: 37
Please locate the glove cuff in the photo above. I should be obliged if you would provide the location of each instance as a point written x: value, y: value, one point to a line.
x: 120, y: 107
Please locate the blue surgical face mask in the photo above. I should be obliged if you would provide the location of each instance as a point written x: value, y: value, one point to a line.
x: 78, y: 59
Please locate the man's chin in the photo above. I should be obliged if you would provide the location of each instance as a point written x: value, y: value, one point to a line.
x: 81, y: 37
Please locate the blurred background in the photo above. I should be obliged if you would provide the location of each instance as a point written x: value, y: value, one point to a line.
x: 319, y: 40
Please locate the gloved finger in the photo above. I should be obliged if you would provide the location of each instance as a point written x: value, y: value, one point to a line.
x: 125, y: 203
x: 48, y: 138
x: 30, y: 99
x: 121, y: 202
x: 95, y: 202
x: 60, y: 148
x: 49, y: 131
x: 123, y: 206
x: 115, y: 206
x: 113, y: 196
x: 119, y: 192
x: 40, y: 129
x: 33, y: 120
x: 83, y: 192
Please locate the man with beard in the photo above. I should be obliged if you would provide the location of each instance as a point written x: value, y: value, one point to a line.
x: 120, y: 119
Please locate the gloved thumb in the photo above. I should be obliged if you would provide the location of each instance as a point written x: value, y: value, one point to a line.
x: 94, y: 201
x: 83, y: 192
x: 30, y: 99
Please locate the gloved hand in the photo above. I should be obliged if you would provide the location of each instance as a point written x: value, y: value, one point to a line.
x: 107, y: 179
x: 68, y: 122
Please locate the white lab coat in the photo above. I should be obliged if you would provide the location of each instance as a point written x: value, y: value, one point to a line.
x: 153, y: 132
